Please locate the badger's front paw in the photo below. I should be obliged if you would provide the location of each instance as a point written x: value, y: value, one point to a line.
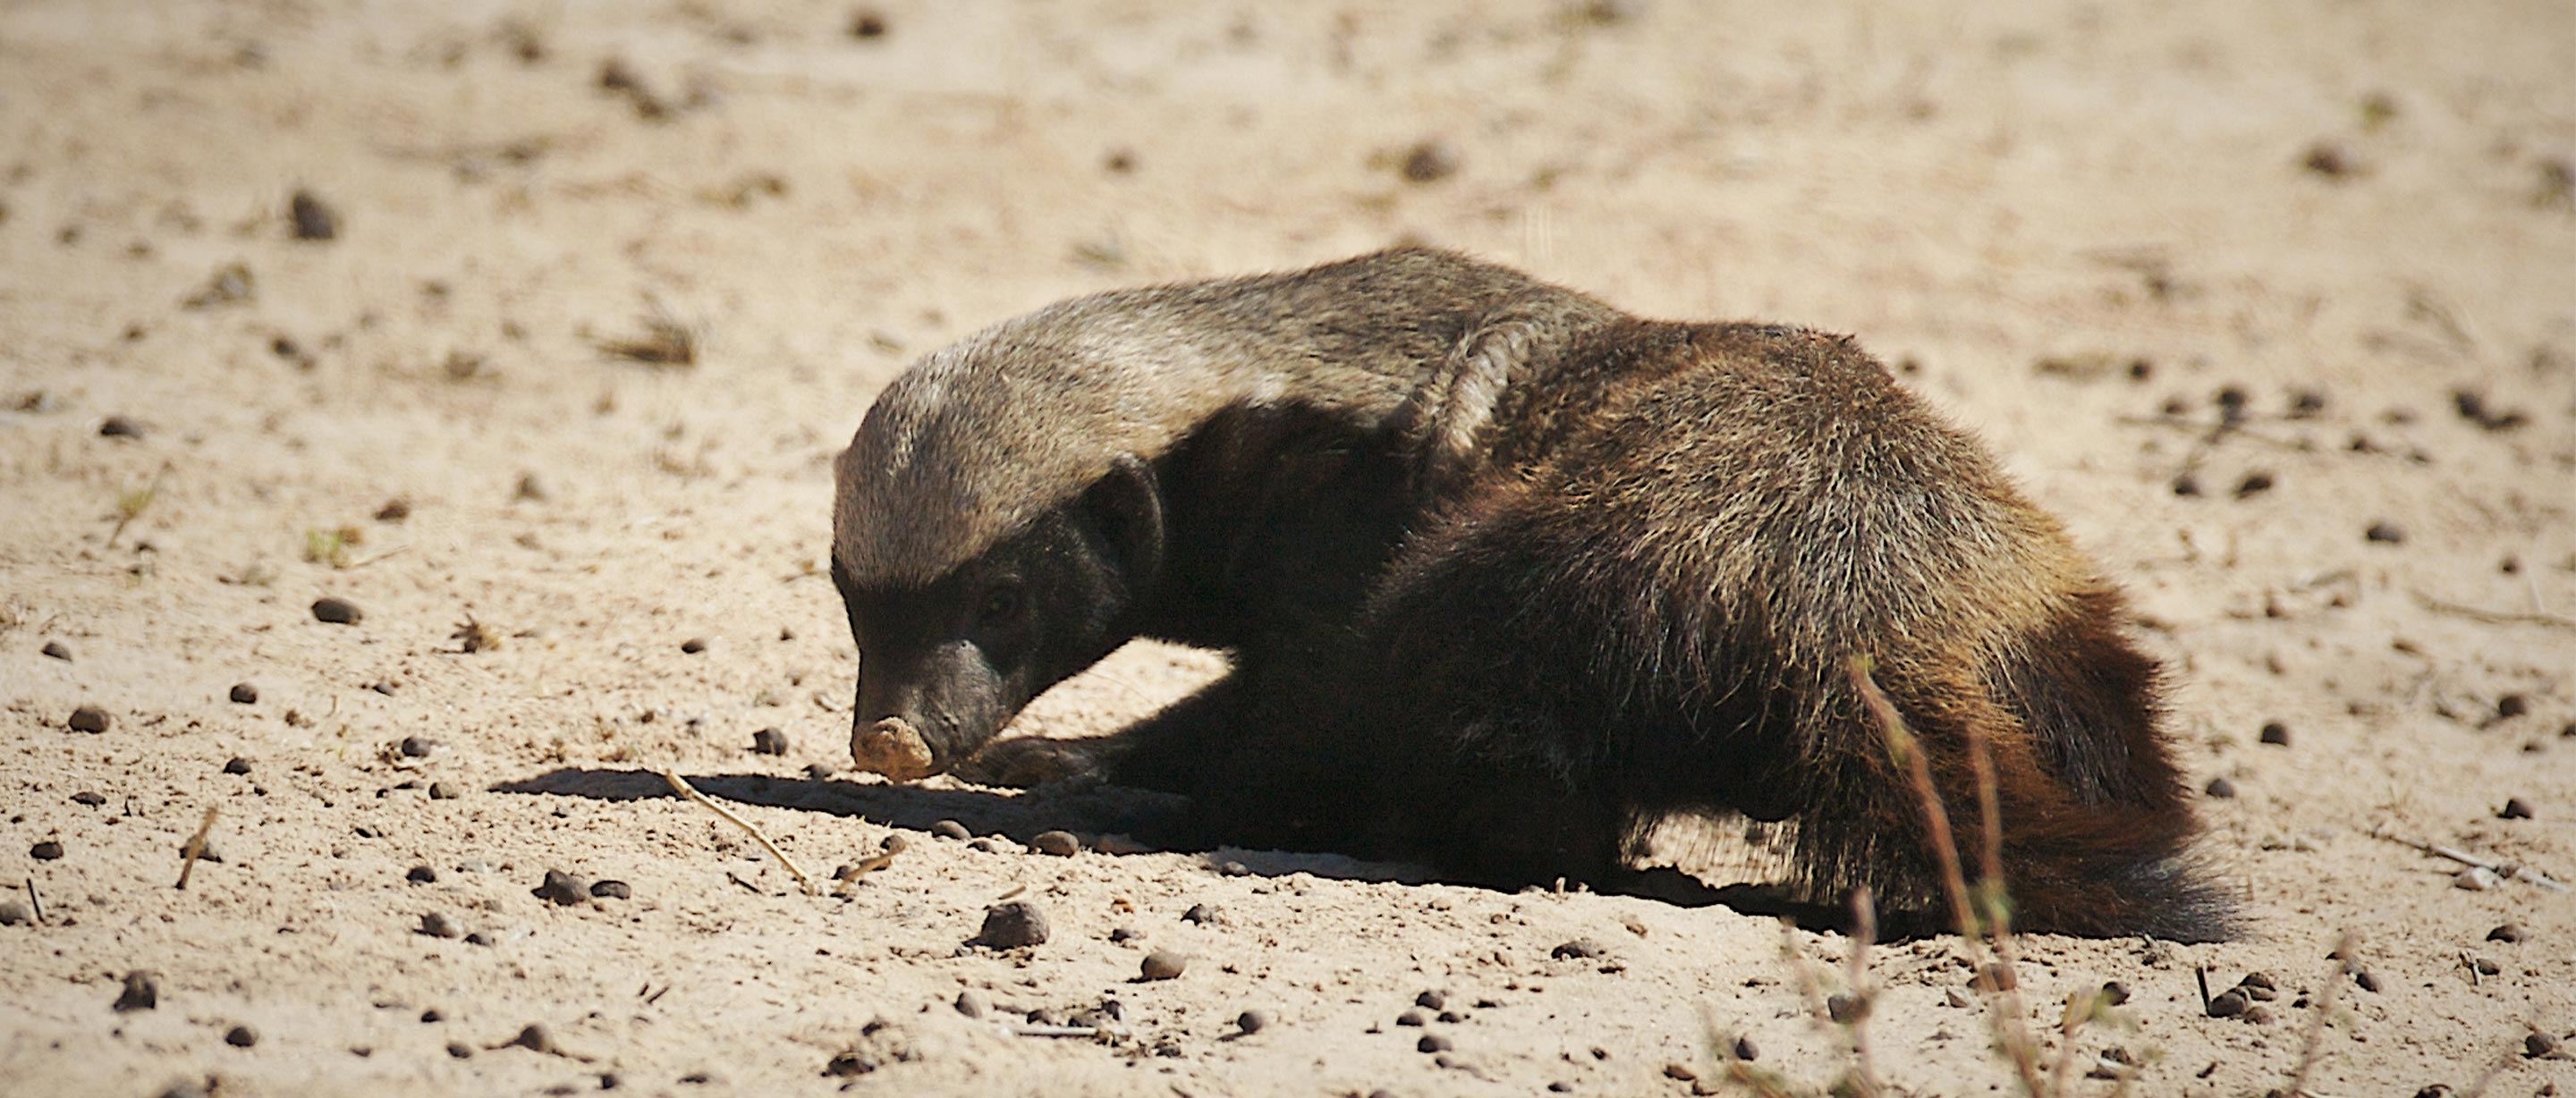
x: 1033, y: 760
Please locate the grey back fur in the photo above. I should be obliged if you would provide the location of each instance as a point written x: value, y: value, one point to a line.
x: 980, y: 438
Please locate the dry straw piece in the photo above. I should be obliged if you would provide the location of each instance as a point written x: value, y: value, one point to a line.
x: 685, y: 790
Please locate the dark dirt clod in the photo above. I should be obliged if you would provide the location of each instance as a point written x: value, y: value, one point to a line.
x: 2538, y: 1044
x: 2186, y: 485
x: 237, y: 765
x: 444, y: 791
x: 951, y: 829
x: 57, y: 650
x: 337, y: 611
x: 1125, y: 934
x: 244, y: 693
x: 89, y: 797
x: 1203, y: 914
x: 2228, y: 1003
x: 1015, y: 925
x: 1746, y: 1050
x: 867, y: 24
x: 1162, y: 964
x: 1431, y: 1000
x: 141, y: 992
x: 1578, y: 949
x: 1252, y: 1021
x: 120, y: 427
x: 460, y: 1050
x: 2512, y: 705
x: 694, y: 645
x: 2515, y: 808
x: 45, y: 851
x: 2306, y: 404
x: 314, y: 219
x: 421, y: 874
x: 13, y: 913
x: 2220, y: 788
x: 88, y: 718
x: 2254, y: 484
x: 1843, y: 1009
x: 394, y: 510
x: 1451, y: 1016
x: 415, y: 747
x: 2276, y: 733
x: 2366, y: 981
x: 1234, y: 869
x: 2486, y: 967
x: 2261, y: 981
x: 478, y: 938
x: 970, y: 1004
x: 241, y: 1037
x: 534, y: 1038
x: 612, y: 890
x: 437, y: 925
x: 769, y: 741
x: 1412, y: 1018
x: 1433, y: 1042
x: 815, y: 772
x: 2385, y: 533
x: 2507, y: 933
x: 561, y: 888
x: 2231, y: 404
x: 1061, y: 844
x: 1429, y: 162
x: 2329, y: 161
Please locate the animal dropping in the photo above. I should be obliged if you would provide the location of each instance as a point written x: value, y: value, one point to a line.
x: 1505, y: 576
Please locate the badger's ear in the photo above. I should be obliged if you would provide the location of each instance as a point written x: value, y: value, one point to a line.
x: 1127, y: 508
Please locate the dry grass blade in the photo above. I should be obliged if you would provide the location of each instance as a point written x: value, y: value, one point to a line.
x: 665, y: 342
x: 690, y: 792
x: 196, y: 846
x: 2312, y: 1047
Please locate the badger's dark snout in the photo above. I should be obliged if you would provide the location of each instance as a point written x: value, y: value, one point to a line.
x: 919, y: 718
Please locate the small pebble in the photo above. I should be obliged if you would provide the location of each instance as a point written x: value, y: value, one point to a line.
x: 45, y: 851
x: 612, y: 890
x: 534, y: 1038
x: 2539, y: 1044
x: 314, y: 219
x: 1162, y: 964
x: 1433, y: 1042
x: 561, y: 888
x: 2385, y: 533
x: 2259, y: 981
x: 57, y: 650
x: 88, y: 718
x: 437, y: 925
x: 141, y: 993
x: 2366, y: 981
x: 1431, y: 1000
x: 2254, y: 484
x: 119, y: 427
x: 2476, y: 879
x: 2274, y: 732
x: 2115, y: 993
x: 237, y: 765
x: 431, y: 1016
x: 815, y: 772
x: 421, y: 874
x: 2515, y: 808
x: 1014, y: 925
x: 1843, y: 1009
x: 443, y: 791
x: 2258, y: 1014
x: 950, y: 829
x: 478, y: 938
x: 240, y: 1037
x: 13, y: 913
x: 1746, y: 1051
x: 460, y: 1050
x: 1580, y: 948
x: 894, y: 844
x: 245, y: 693
x: 1203, y: 914
x: 1252, y: 1021
x: 694, y: 645
x: 1234, y: 869
x: 769, y: 741
x: 88, y: 797
x: 415, y: 747
x: 1125, y: 934
x: 2507, y: 933
x: 1061, y: 844
x: 2228, y: 1003
x: 1429, y: 162
x: 970, y: 1004
x: 2486, y: 967
x: 2512, y: 705
x: 1412, y: 1018
x: 337, y: 611
x: 2220, y: 788
x: 2186, y: 485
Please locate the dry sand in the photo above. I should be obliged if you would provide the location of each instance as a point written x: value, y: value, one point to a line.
x: 2072, y: 227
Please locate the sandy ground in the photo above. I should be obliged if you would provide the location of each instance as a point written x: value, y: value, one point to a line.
x: 2085, y: 231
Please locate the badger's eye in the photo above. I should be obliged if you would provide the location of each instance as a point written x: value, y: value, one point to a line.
x: 1001, y: 604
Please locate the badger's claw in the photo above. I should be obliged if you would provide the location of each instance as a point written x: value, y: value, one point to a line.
x: 1032, y: 760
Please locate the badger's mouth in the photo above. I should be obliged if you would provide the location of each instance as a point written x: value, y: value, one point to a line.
x: 894, y: 748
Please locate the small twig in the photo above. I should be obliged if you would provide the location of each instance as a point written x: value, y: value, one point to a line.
x: 1033, y: 1029
x: 197, y: 845
x: 673, y: 776
x: 2313, y: 1046
x: 2519, y: 873
x: 38, y: 901
x: 2493, y: 617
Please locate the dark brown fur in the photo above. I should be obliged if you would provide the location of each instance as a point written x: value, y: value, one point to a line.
x: 1575, y: 573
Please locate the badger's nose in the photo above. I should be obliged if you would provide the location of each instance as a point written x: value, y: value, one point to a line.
x: 894, y: 748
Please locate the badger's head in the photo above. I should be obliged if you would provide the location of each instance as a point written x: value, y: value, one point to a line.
x: 992, y: 533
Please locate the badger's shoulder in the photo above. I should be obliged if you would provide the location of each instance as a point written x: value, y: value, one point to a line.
x: 980, y: 438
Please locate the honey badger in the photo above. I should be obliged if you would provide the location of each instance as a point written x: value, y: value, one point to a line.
x: 1505, y: 574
